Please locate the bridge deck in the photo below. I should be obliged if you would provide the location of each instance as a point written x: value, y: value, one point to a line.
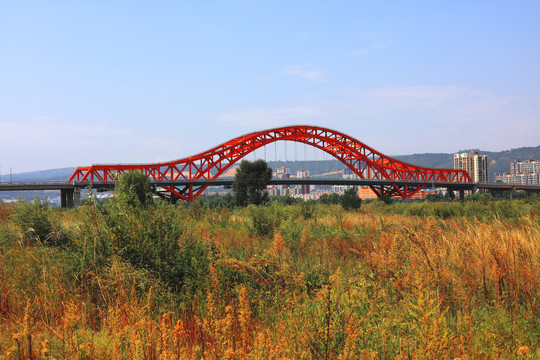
x: 28, y: 186
x: 70, y: 192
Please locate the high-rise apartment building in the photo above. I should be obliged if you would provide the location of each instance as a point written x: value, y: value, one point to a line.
x: 303, y: 174
x: 522, y: 173
x: 283, y: 173
x: 476, y: 165
x: 524, y: 167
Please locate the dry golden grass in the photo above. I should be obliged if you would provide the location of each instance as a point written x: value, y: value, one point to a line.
x: 343, y: 285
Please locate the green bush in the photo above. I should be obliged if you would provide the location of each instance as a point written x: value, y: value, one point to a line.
x: 332, y: 198
x: 307, y: 209
x: 133, y: 188
x: 217, y: 201
x: 445, y: 211
x: 387, y: 200
x: 153, y: 239
x: 34, y: 222
x: 483, y: 198
x: 264, y: 220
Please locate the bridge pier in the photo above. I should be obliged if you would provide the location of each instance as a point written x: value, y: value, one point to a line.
x: 66, y: 198
x: 77, y: 197
x: 461, y: 195
x: 70, y: 197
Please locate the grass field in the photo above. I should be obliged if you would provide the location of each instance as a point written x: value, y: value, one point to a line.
x: 302, y: 281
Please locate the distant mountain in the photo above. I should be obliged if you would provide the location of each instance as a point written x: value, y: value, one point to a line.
x: 43, y: 175
x: 431, y: 160
x: 500, y: 162
x: 313, y: 166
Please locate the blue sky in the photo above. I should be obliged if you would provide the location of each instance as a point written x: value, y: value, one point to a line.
x: 85, y: 82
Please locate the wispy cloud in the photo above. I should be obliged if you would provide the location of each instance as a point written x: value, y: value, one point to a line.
x: 434, y: 100
x: 269, y: 117
x: 43, y: 117
x: 305, y: 72
x: 360, y: 53
x: 438, y: 118
x: 425, y: 92
x: 374, y: 42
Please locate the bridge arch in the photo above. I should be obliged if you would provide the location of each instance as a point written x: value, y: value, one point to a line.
x: 366, y: 162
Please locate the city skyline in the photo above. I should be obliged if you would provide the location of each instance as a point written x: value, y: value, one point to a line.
x: 133, y: 82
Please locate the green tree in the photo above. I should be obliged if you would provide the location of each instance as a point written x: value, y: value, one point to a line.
x: 386, y: 199
x: 350, y: 199
x: 332, y: 198
x: 250, y: 182
x: 133, y: 188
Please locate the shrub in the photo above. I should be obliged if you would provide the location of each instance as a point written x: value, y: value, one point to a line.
x: 133, y: 188
x: 307, y: 209
x: 332, y: 198
x: 387, y: 200
x: 264, y: 220
x: 483, y: 198
x: 33, y: 220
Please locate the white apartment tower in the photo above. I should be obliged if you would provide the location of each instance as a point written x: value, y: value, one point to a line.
x: 283, y: 173
x: 476, y: 165
x: 522, y: 173
x: 524, y: 167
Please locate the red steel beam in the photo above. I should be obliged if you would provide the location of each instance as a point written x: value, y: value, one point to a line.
x: 360, y: 158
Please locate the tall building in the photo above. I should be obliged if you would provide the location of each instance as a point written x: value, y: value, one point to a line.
x: 524, y: 167
x: 303, y: 174
x: 476, y: 165
x: 283, y: 173
x: 522, y: 173
x: 349, y: 174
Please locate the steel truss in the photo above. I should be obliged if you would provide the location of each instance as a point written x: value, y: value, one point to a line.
x: 364, y: 161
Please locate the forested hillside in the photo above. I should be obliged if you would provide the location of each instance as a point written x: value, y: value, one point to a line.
x: 500, y: 161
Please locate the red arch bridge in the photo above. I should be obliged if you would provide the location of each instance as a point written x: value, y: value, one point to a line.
x: 187, y: 178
